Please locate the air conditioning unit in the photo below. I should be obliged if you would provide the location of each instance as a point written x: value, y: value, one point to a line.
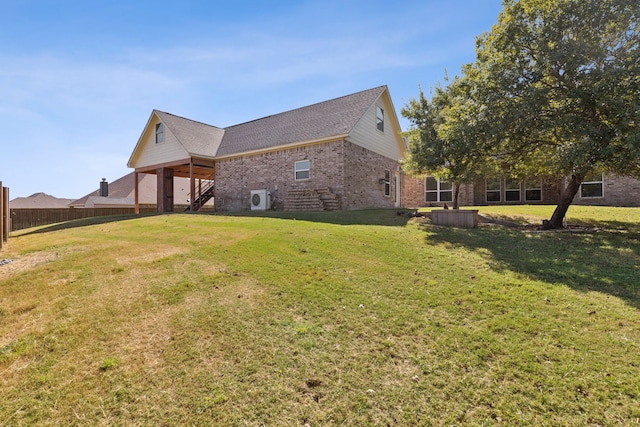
x: 260, y: 200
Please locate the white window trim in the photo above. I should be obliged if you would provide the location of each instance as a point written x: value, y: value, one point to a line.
x: 387, y: 183
x: 486, y: 191
x: 296, y: 170
x: 438, y: 191
x: 528, y: 188
x: 601, y: 182
x: 512, y: 190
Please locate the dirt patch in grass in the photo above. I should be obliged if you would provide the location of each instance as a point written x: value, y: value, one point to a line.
x: 246, y: 293
x: 146, y: 255
x: 26, y: 262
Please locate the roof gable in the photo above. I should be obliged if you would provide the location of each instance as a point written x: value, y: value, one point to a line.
x: 198, y: 139
x: 333, y: 118
x: 389, y: 141
x: 336, y: 118
x: 183, y: 138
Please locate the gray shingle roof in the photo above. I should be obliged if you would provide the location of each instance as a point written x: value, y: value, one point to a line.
x: 198, y: 139
x: 318, y: 121
x: 38, y: 201
x: 323, y: 120
x: 124, y: 188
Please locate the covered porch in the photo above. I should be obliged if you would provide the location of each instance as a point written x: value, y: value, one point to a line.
x: 201, y: 174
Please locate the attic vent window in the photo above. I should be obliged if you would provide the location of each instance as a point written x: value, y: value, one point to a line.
x: 159, y: 133
x: 380, y: 119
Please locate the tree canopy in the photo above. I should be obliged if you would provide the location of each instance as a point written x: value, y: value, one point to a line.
x: 445, y: 140
x: 554, y: 91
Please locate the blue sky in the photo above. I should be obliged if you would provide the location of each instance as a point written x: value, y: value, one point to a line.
x: 79, y: 79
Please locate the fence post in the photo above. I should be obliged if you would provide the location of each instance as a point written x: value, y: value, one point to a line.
x: 1, y: 214
x: 6, y: 212
x: 3, y: 231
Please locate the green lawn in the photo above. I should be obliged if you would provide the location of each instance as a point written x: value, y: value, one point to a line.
x: 353, y: 318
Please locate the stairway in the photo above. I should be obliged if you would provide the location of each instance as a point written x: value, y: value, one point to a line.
x: 202, y: 198
x: 330, y: 200
x: 321, y: 199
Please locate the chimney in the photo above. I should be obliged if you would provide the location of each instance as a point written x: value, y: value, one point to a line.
x: 104, y: 188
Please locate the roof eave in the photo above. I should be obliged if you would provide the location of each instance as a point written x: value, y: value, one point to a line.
x: 284, y: 146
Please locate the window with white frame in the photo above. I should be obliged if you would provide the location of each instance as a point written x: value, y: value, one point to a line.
x: 532, y: 191
x: 592, y: 186
x: 302, y: 170
x: 159, y: 133
x: 494, y: 190
x: 387, y: 182
x: 438, y: 191
x: 380, y: 119
x: 511, y: 190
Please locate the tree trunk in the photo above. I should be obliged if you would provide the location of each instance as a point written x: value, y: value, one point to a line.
x: 456, y: 192
x: 566, y: 198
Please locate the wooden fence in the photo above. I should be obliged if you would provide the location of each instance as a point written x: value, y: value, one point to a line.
x: 5, y: 218
x: 25, y: 218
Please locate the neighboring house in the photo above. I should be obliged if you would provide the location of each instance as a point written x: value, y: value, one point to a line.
x: 597, y: 189
x: 121, y: 193
x: 39, y: 201
x: 340, y: 154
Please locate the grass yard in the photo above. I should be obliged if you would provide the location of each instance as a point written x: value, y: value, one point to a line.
x: 352, y: 318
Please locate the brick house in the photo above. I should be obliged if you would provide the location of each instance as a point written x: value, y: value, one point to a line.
x: 120, y: 193
x: 341, y: 154
x: 597, y: 189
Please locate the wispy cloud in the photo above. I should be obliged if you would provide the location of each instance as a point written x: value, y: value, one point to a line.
x: 79, y: 111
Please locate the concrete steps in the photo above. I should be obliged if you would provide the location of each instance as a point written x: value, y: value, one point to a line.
x: 320, y: 199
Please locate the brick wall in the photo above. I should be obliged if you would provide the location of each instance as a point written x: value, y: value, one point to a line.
x: 550, y: 193
x: 363, y: 171
x: 414, y: 194
x: 236, y: 177
x: 348, y: 170
x: 617, y: 191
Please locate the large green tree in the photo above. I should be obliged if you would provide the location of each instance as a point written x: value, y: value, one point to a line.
x: 443, y: 140
x: 556, y: 89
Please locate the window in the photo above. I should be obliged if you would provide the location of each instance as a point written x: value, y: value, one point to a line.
x: 532, y: 192
x: 512, y: 190
x: 592, y: 186
x: 159, y: 133
x: 380, y: 119
x: 302, y: 169
x: 387, y: 182
x: 438, y: 191
x: 494, y: 190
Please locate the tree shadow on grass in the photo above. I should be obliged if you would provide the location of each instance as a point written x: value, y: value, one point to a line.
x: 82, y: 222
x: 385, y: 217
x: 603, y: 259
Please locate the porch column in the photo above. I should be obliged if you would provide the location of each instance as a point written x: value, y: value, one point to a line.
x: 192, y: 185
x: 165, y: 189
x: 135, y: 192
